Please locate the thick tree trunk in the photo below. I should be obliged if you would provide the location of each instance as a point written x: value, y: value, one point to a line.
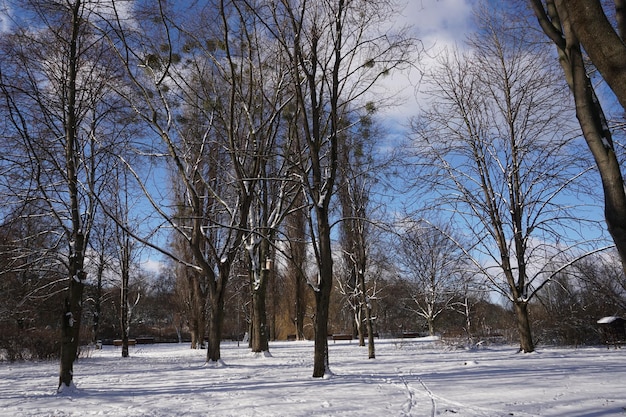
x: 431, y: 326
x: 216, y: 321
x: 602, y: 43
x: 523, y: 327
x: 564, y: 25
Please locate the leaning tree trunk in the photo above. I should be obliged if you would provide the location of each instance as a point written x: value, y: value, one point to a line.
x: 564, y: 24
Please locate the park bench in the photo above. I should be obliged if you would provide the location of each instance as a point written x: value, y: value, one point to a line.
x: 341, y: 337
x: 119, y: 342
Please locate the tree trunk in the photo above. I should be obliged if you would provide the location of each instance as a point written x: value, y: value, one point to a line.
x: 602, y: 43
x: 300, y: 305
x: 124, y: 298
x: 431, y: 326
x: 71, y: 321
x: 197, y: 319
x: 98, y: 302
x: 259, y: 331
x: 320, y: 354
x: 322, y: 297
x: 217, y: 288
x: 563, y: 26
x: 523, y: 327
x: 367, y: 307
x: 216, y: 320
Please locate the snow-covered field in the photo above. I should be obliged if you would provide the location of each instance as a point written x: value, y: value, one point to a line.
x: 408, y: 378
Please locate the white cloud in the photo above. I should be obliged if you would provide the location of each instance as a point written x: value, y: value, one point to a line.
x: 439, y: 25
x: 439, y: 21
x: 152, y: 266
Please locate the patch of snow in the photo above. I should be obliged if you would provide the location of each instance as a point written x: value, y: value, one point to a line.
x: 607, y: 320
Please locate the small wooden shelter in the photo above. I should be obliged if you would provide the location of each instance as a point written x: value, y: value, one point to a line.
x: 613, y: 331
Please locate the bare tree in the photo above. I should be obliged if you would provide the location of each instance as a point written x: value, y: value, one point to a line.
x: 432, y: 264
x: 566, y: 23
x: 296, y: 254
x: 336, y: 52
x: 498, y: 156
x: 219, y: 143
x: 356, y: 180
x: 56, y: 83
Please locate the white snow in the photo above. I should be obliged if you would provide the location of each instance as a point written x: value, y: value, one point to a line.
x: 410, y: 377
x: 607, y: 320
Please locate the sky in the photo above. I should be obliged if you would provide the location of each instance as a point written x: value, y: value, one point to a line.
x: 437, y: 25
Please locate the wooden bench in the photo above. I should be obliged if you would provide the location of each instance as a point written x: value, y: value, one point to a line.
x: 341, y: 337
x: 410, y: 335
x: 119, y: 342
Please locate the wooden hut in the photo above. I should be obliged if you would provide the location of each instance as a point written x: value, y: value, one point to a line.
x: 613, y: 331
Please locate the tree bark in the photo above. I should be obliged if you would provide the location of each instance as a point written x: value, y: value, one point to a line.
x: 559, y: 22
x: 523, y: 327
x: 602, y: 43
x: 367, y: 308
x: 216, y: 321
x: 71, y: 320
x: 259, y: 331
x: 197, y: 313
x: 322, y: 297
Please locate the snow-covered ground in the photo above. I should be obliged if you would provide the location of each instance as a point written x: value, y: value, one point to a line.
x: 407, y: 378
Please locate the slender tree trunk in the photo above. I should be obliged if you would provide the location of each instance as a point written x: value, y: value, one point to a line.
x: 300, y: 304
x: 124, y: 296
x: 197, y: 319
x: 322, y: 298
x: 367, y: 309
x: 72, y: 315
x: 98, y: 303
x: 71, y: 321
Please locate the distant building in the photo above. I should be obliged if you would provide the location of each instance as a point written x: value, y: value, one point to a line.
x: 613, y: 330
